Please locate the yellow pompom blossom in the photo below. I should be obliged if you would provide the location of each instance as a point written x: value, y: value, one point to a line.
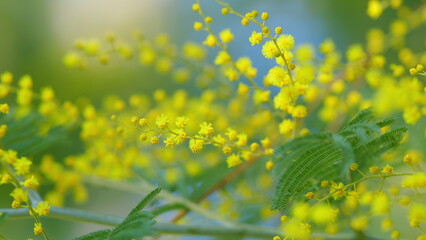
x: 226, y: 36
x: 269, y: 50
x: 417, y: 214
x: 256, y: 38
x: 22, y: 166
x: 233, y: 160
x: 296, y: 230
x: 286, y: 127
x: 359, y: 223
x: 278, y: 76
x: 43, y: 209
x: 30, y: 182
x: 374, y: 170
x: 285, y: 42
x: 19, y: 195
x: 38, y: 229
x: 374, y: 9
x: 206, y: 129
x: 387, y: 169
x: 222, y: 58
x: 418, y: 180
x: 323, y: 214
x: 210, y: 40
x: 338, y: 190
x: 162, y: 121
x: 380, y: 205
x: 4, y: 108
x: 299, y: 111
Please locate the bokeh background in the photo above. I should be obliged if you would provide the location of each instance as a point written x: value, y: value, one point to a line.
x: 35, y: 35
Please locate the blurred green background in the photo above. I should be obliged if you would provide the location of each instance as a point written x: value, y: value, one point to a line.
x: 35, y: 35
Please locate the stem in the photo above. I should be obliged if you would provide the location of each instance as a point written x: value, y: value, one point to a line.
x: 167, y: 228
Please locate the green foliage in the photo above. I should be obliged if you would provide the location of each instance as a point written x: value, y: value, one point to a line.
x: 137, y: 224
x: 304, y: 162
x: 23, y: 135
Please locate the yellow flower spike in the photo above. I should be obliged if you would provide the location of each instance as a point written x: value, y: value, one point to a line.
x: 224, y: 11
x: 38, y: 229
x: 276, y: 238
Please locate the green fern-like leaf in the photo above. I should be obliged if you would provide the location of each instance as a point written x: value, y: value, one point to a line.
x: 98, y: 235
x: 136, y: 225
x: 305, y: 161
x: 23, y: 134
